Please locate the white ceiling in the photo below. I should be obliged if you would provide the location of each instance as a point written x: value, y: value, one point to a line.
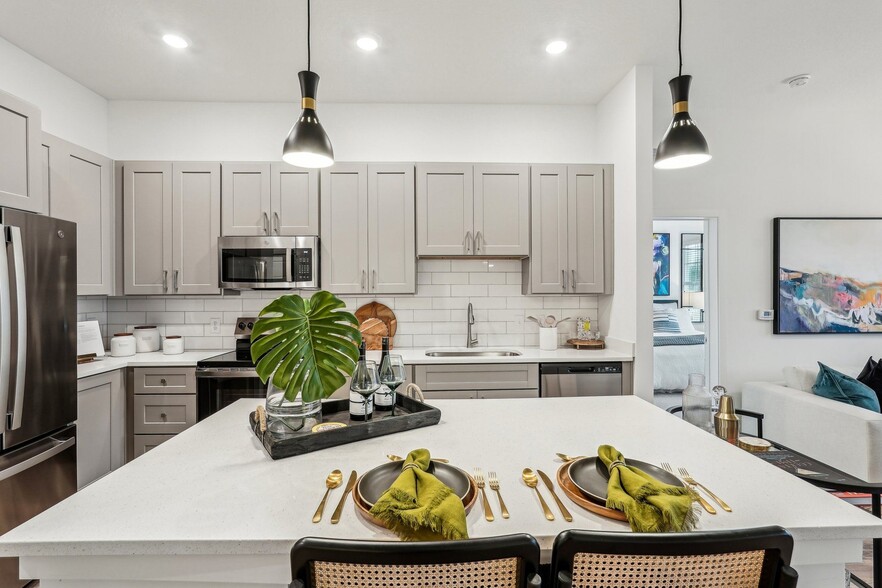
x: 441, y: 51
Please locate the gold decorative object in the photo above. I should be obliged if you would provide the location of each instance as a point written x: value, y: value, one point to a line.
x: 754, y: 444
x: 726, y: 422
x: 532, y: 480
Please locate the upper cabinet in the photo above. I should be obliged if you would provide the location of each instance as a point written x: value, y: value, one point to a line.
x: 571, y: 230
x: 78, y: 185
x: 21, y: 181
x: 269, y: 199
x: 368, y: 229
x: 171, y: 224
x: 465, y: 209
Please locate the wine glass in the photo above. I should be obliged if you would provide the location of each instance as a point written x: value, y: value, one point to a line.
x: 392, y: 375
x: 365, y: 381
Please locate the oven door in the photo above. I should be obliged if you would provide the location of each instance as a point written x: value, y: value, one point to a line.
x: 220, y: 387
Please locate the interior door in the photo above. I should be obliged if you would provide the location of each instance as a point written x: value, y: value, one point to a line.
x: 548, y: 258
x: 344, y: 242
x: 502, y: 209
x: 196, y: 218
x: 391, y: 249
x: 585, y: 206
x: 445, y: 209
x: 294, y: 196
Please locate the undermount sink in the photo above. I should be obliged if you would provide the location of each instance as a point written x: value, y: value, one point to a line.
x: 472, y: 353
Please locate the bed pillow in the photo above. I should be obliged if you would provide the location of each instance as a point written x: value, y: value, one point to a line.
x: 668, y: 305
x: 837, y: 386
x: 800, y: 378
x: 665, y: 322
x: 684, y: 319
x: 871, y: 376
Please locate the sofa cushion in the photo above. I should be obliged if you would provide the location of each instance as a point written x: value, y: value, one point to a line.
x: 837, y: 386
x: 800, y: 378
x: 871, y: 375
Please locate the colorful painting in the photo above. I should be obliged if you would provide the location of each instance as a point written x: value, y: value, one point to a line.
x: 828, y: 275
x: 661, y: 264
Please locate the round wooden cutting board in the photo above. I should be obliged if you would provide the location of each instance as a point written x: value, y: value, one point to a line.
x: 379, y: 311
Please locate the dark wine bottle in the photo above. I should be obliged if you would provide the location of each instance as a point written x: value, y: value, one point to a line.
x: 384, y: 399
x: 360, y: 407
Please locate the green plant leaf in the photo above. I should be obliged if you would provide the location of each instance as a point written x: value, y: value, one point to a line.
x: 307, y: 346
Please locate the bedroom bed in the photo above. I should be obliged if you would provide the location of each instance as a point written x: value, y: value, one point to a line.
x: 678, y: 348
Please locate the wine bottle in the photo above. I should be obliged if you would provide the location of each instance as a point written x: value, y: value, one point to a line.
x: 384, y: 398
x: 360, y: 406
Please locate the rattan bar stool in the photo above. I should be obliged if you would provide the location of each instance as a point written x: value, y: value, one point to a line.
x: 510, y: 561
x: 745, y: 558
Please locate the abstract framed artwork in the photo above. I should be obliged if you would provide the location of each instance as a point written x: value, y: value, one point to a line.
x: 828, y: 275
x: 661, y: 264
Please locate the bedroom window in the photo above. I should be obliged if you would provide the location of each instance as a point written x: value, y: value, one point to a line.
x: 692, y: 274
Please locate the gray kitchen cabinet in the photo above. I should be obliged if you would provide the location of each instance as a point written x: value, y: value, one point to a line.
x: 367, y: 235
x: 510, y: 380
x: 171, y: 215
x: 144, y: 443
x: 450, y: 394
x: 502, y: 209
x: 78, y: 185
x: 100, y: 426
x: 571, y: 230
x: 161, y: 402
x: 21, y: 181
x: 269, y: 199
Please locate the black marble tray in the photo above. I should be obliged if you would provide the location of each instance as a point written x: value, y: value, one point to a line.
x: 408, y: 414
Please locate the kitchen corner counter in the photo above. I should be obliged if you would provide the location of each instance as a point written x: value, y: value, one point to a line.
x: 155, y: 359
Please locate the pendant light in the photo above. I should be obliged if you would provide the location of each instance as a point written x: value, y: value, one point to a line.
x: 307, y: 144
x: 683, y: 144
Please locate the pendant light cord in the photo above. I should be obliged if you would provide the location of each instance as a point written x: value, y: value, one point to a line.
x: 679, y: 38
x: 309, y: 38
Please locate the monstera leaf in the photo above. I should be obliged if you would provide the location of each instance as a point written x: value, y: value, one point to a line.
x: 307, y: 346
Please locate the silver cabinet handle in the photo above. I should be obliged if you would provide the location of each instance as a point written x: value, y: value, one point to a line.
x: 21, y: 302
x: 276, y: 223
x: 175, y: 280
x: 165, y: 280
x: 374, y: 273
x: 265, y: 224
x: 563, y: 274
x: 479, y: 242
x: 5, y: 328
x: 466, y: 242
x: 574, y: 279
x: 363, y: 276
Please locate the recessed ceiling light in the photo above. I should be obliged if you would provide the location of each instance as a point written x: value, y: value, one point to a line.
x: 798, y: 81
x: 367, y: 43
x: 176, y: 41
x: 556, y: 47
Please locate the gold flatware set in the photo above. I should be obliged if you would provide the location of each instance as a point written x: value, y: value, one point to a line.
x: 334, y: 479
x: 690, y: 481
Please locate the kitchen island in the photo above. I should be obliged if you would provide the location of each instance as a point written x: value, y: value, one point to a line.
x: 209, y: 507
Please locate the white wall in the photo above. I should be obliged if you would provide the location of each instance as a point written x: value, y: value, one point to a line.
x: 69, y: 110
x: 776, y: 152
x: 676, y: 228
x: 359, y: 132
x: 624, y: 131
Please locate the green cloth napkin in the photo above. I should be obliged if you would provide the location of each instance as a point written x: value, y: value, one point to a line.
x: 418, y: 506
x: 650, y: 505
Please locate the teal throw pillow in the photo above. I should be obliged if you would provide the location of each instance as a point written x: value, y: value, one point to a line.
x: 837, y: 386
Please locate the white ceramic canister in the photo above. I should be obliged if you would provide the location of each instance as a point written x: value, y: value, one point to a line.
x: 147, y: 338
x: 122, y: 345
x: 173, y: 345
x: 547, y: 338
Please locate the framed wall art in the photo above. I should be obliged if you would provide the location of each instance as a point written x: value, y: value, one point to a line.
x: 828, y: 275
x: 661, y: 264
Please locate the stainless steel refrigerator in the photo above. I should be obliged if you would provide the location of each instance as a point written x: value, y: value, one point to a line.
x: 38, y: 387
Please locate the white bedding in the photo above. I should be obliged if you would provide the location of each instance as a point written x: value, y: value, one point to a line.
x: 674, y: 363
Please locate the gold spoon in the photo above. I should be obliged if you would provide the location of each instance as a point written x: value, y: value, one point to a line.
x: 532, y: 480
x: 565, y: 457
x: 393, y: 457
x: 333, y: 480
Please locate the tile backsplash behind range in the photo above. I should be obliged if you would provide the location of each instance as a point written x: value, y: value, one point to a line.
x: 434, y: 317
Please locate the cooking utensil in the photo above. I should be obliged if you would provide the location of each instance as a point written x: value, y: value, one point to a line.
x: 563, y: 509
x: 690, y: 480
x: 394, y: 457
x: 494, y: 485
x: 549, y: 321
x: 561, y: 320
x: 334, y: 479
x: 335, y: 518
x: 535, y: 320
x: 531, y: 480
x: 704, y: 503
x: 383, y: 313
x: 372, y: 331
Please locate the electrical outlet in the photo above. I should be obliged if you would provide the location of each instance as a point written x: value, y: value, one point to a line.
x: 214, y: 326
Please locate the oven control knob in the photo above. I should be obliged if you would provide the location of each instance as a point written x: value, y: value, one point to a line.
x: 242, y: 326
x: 250, y: 326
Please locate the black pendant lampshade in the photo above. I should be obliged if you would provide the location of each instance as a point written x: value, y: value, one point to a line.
x: 683, y: 144
x: 307, y: 144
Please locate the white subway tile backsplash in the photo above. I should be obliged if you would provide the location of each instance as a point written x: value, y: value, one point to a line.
x: 145, y: 304
x: 458, y: 302
x: 164, y: 317
x: 451, y: 278
x: 470, y: 290
x: 424, y: 278
x: 513, y: 278
x: 186, y: 304
x: 485, y: 278
x: 225, y: 303
x: 433, y: 290
x: 503, y: 290
x: 469, y: 265
x: 433, y: 265
x: 431, y: 315
x: 126, y: 318
x: 433, y: 341
x: 505, y: 265
x: 413, y: 303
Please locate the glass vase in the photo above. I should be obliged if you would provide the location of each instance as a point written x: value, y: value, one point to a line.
x: 289, y: 417
x: 698, y: 403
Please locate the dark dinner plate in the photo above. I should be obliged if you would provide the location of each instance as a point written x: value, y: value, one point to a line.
x: 591, y: 477
x: 372, y: 484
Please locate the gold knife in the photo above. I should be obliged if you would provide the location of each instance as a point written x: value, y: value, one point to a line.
x: 563, y: 510
x: 335, y: 518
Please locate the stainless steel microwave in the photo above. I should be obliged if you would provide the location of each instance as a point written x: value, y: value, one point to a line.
x: 270, y: 262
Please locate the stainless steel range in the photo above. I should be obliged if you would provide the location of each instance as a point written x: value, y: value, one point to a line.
x: 224, y: 379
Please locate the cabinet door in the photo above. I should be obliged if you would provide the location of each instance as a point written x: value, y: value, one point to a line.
x: 548, y: 258
x: 391, y: 250
x: 147, y: 212
x: 100, y: 426
x: 294, y: 197
x: 144, y: 443
x: 21, y: 181
x: 585, y: 204
x: 445, y: 209
x: 79, y: 190
x: 344, y: 236
x: 502, y: 210
x: 195, y: 227
x: 245, y: 199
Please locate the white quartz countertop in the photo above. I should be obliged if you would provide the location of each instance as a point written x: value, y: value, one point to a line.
x: 155, y: 359
x: 213, y: 490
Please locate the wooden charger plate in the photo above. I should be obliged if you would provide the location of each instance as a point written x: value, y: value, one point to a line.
x: 574, y: 494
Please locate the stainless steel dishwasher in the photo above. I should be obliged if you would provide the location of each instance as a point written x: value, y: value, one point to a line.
x: 580, y: 379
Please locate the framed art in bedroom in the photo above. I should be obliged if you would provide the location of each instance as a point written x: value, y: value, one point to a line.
x: 827, y: 275
x: 661, y: 264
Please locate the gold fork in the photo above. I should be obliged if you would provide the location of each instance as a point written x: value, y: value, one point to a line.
x: 479, y: 481
x: 704, y: 503
x: 494, y: 485
x: 690, y: 480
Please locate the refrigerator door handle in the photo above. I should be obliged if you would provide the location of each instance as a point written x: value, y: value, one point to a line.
x: 21, y: 303
x: 55, y: 446
x: 5, y: 330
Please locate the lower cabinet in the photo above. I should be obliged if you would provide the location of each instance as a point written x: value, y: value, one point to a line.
x: 100, y: 426
x: 516, y: 380
x: 161, y: 404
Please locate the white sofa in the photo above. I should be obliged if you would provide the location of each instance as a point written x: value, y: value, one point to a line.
x: 846, y: 437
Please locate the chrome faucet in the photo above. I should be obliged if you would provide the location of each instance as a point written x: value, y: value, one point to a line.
x: 471, y: 341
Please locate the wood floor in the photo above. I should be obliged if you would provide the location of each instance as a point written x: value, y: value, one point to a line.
x: 864, y: 570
